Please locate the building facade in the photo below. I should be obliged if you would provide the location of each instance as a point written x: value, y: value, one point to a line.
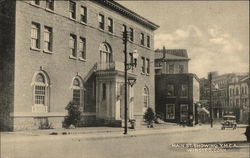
x: 177, y: 91
x: 177, y: 97
x: 55, y: 52
x: 229, y: 95
x: 239, y: 98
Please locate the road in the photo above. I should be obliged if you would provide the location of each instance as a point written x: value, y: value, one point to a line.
x: 150, y: 146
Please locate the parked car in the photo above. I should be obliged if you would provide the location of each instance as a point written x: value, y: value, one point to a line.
x: 229, y: 121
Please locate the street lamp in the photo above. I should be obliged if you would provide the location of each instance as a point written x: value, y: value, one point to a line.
x: 128, y: 66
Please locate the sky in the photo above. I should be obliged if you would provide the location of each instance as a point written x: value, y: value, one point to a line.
x: 215, y: 33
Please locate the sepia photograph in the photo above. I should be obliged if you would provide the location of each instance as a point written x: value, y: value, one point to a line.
x: 124, y: 79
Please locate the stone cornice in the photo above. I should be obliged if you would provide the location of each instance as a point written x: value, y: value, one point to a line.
x: 128, y: 13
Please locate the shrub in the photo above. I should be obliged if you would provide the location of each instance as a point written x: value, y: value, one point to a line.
x: 74, y: 115
x: 149, y: 116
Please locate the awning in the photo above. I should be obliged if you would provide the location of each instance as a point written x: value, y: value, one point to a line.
x: 203, y: 109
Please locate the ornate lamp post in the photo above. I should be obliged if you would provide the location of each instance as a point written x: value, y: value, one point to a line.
x: 128, y: 66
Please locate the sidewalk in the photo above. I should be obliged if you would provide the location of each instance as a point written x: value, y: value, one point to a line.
x: 92, y: 133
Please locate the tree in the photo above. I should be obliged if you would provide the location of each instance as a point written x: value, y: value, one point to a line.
x: 74, y: 115
x: 149, y: 117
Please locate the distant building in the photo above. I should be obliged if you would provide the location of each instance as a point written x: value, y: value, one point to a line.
x: 229, y: 95
x: 177, y: 91
x: 239, y: 98
x: 171, y: 61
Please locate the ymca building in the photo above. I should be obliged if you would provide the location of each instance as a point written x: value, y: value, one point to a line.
x: 54, y: 52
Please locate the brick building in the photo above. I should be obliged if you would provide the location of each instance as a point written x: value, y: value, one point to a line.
x: 176, y: 91
x: 239, y: 98
x: 58, y: 51
x: 229, y: 95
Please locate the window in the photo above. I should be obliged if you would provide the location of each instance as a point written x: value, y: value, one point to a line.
x: 103, y: 91
x: 83, y: 14
x: 35, y: 35
x: 143, y: 65
x: 48, y: 38
x: 237, y: 102
x: 184, y: 113
x: 101, y: 21
x: 72, y: 45
x: 82, y: 47
x: 142, y: 39
x: 36, y: 2
x: 131, y: 37
x: 40, y: 92
x: 105, y: 53
x: 77, y: 91
x: 170, y: 111
x: 131, y: 57
x: 50, y: 4
x: 171, y: 69
x: 124, y: 28
x: 181, y: 68
x: 148, y: 41
x: 72, y: 9
x: 110, y: 25
x: 237, y: 91
x: 148, y: 66
x: 184, y: 90
x: 170, y: 90
x: 146, y: 97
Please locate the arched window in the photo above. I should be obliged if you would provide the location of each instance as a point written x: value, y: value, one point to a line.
x: 40, y: 92
x: 105, y: 53
x: 77, y: 88
x: 146, y: 97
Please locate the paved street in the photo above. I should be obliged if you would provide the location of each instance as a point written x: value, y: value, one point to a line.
x: 136, y: 144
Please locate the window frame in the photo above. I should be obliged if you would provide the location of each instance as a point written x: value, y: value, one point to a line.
x: 172, y: 88
x: 35, y: 2
x: 184, y: 94
x: 148, y: 41
x: 131, y: 34
x: 142, y: 40
x: 170, y: 114
x: 83, y: 14
x: 181, y: 68
x: 147, y: 66
x: 73, y: 50
x: 41, y: 90
x: 50, y: 4
x: 72, y: 12
x: 48, y: 30
x: 83, y: 54
x: 101, y: 21
x: 110, y: 25
x: 143, y: 68
x: 77, y: 92
x: 171, y: 66
x: 37, y: 27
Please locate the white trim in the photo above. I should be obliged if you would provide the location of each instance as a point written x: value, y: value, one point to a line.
x: 30, y: 114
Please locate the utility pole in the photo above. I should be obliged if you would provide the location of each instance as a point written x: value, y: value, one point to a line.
x: 210, y: 99
x: 125, y: 81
